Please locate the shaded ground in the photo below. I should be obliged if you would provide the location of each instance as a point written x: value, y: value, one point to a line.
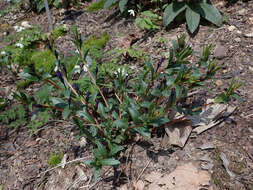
x: 23, y: 159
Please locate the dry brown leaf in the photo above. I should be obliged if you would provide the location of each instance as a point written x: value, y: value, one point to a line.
x: 178, y: 133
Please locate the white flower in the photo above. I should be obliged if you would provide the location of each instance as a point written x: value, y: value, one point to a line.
x: 21, y: 39
x: 3, y: 53
x: 122, y: 71
x: 56, y: 68
x: 18, y: 28
x: 25, y: 24
x: 131, y: 12
x: 76, y: 51
x: 77, y: 69
x: 19, y: 45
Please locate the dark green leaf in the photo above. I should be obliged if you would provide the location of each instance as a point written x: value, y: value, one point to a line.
x: 66, y: 112
x: 192, y: 19
x: 237, y: 97
x: 134, y: 114
x: 109, y: 3
x: 209, y: 12
x: 171, y: 11
x: 122, y: 5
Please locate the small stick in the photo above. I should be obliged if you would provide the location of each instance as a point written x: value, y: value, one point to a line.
x: 143, y: 170
x: 76, y: 160
x: 48, y: 15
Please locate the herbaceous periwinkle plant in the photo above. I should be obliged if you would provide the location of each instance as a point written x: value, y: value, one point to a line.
x: 112, y: 111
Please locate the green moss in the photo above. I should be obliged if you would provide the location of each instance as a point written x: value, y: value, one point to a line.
x: 58, y: 32
x: 96, y: 42
x: 55, y: 159
x: 43, y: 61
x: 22, y: 84
x: 97, y: 5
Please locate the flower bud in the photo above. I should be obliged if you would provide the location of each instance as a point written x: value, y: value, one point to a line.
x: 87, y: 96
x: 64, y: 68
x: 96, y: 105
x: 60, y: 77
x: 76, y: 87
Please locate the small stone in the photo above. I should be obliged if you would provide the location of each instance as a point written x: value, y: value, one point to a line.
x: 239, y: 32
x: 220, y: 52
x: 83, y: 142
x: 231, y: 28
x: 251, y: 68
x: 249, y: 35
x: 219, y: 83
x: 238, y: 39
x: 251, y: 20
x: 242, y: 12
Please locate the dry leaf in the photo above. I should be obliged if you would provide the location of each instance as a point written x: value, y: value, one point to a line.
x: 178, y: 133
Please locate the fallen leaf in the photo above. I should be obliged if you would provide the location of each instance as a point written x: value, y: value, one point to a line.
x: 211, y: 116
x: 31, y: 143
x: 225, y: 162
x: 183, y: 177
x: 178, y: 133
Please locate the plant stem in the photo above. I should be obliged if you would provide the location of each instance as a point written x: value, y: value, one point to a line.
x: 92, y: 78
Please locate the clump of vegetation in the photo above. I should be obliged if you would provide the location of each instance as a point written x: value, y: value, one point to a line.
x: 95, y: 6
x: 14, y: 117
x: 147, y: 20
x: 112, y: 110
x: 194, y: 9
x: 55, y: 159
x: 43, y: 61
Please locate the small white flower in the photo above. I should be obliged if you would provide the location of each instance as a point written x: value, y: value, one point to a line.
x: 122, y: 71
x: 21, y: 39
x: 131, y: 12
x: 19, y: 45
x: 3, y: 53
x: 56, y: 68
x: 77, y: 69
x: 25, y: 24
x: 76, y: 51
x: 18, y: 28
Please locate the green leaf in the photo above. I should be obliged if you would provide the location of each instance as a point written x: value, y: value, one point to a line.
x: 110, y: 162
x: 171, y: 11
x: 114, y: 149
x: 85, y: 115
x: 66, y: 112
x: 122, y: 5
x: 143, y: 131
x: 121, y: 123
x: 134, y: 114
x: 192, y: 19
x: 96, y: 173
x: 209, y: 12
x: 108, y: 3
x: 237, y: 97
x: 101, y: 110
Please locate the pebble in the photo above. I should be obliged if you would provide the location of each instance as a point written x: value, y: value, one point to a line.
x: 238, y: 39
x: 251, y: 68
x: 220, y: 52
x: 241, y: 12
x: 249, y: 35
x: 219, y: 83
x: 231, y: 28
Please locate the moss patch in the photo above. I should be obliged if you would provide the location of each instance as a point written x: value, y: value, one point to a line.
x: 55, y: 159
x: 43, y: 61
x: 97, y: 42
x: 97, y: 5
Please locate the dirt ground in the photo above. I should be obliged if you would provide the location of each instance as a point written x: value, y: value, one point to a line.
x: 23, y: 159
